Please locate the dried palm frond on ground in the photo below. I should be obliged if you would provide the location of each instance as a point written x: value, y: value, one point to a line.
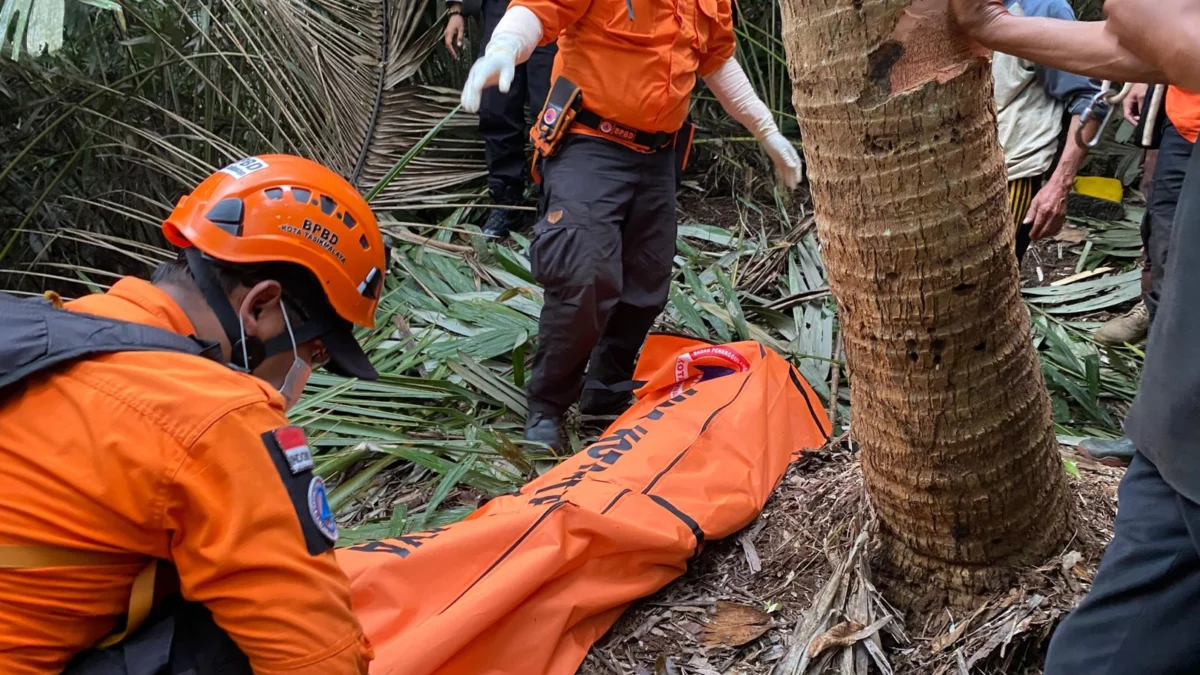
x: 793, y: 594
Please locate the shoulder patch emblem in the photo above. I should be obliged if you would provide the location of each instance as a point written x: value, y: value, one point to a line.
x: 318, y: 508
x: 294, y: 445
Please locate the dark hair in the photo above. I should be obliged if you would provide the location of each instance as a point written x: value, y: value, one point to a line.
x: 301, y: 290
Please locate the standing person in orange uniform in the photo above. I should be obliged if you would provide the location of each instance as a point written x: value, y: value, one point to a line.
x: 146, y: 429
x: 612, y: 137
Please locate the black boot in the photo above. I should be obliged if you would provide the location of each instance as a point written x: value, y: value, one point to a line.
x: 545, y: 428
x: 501, y: 221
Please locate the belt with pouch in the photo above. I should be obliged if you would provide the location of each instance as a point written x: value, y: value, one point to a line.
x: 564, y: 109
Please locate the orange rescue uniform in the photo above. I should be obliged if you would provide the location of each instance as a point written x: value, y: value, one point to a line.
x: 1183, y: 108
x: 638, y: 73
x: 160, y: 454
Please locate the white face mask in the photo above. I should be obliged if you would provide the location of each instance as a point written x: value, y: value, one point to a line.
x: 297, y: 376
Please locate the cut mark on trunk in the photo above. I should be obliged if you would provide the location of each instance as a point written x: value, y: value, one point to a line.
x: 933, y: 47
x: 963, y: 289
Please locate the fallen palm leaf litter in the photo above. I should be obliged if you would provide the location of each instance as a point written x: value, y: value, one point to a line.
x: 825, y: 615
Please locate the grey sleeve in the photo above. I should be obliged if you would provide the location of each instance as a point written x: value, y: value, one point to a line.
x: 1075, y: 91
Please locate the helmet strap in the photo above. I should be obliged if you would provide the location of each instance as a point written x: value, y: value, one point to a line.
x: 310, y: 330
x: 245, y: 353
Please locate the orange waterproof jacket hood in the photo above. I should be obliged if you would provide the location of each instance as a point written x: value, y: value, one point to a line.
x: 527, y: 583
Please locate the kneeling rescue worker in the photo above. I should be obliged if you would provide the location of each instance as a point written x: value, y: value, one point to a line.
x: 145, y: 429
x: 611, y: 139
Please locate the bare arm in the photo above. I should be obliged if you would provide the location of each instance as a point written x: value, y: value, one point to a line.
x: 1083, y: 47
x: 1162, y: 32
x: 1073, y: 153
x: 1048, y: 210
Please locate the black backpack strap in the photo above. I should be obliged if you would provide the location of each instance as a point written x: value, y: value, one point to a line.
x: 35, y: 336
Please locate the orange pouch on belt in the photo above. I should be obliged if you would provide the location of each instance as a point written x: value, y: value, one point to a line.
x: 562, y: 105
x: 528, y: 582
x: 683, y: 144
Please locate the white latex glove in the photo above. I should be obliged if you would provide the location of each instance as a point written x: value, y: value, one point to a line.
x: 495, y: 68
x: 788, y: 167
x: 732, y: 88
x: 512, y: 42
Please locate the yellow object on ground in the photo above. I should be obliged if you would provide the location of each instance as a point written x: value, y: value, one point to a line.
x: 1108, y: 189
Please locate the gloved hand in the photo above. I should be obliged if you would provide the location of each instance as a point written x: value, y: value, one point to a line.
x: 788, y: 167
x: 493, y: 69
x: 732, y: 89
x: 512, y: 42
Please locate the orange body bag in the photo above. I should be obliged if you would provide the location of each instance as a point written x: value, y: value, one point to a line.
x: 528, y: 582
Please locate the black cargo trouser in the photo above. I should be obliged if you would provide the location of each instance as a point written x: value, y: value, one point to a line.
x: 1165, y: 187
x: 178, y: 638
x: 1142, y: 612
x: 502, y: 120
x: 603, y: 251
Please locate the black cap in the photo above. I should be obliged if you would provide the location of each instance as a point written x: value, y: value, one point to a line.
x: 346, y: 356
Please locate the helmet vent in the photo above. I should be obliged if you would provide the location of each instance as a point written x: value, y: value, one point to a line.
x: 328, y: 206
x: 301, y: 195
x: 274, y: 194
x: 362, y: 241
x: 227, y: 215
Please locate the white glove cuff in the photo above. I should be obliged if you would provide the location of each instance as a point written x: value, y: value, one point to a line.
x: 518, y: 33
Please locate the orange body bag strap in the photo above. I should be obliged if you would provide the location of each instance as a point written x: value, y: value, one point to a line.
x: 562, y: 105
x: 141, y: 595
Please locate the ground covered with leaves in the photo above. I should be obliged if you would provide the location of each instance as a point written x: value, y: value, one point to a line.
x: 792, y: 594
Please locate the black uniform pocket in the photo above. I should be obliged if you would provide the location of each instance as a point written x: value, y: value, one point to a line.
x: 566, y: 246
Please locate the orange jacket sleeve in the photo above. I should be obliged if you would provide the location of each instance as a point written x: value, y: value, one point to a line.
x: 555, y: 15
x: 238, y: 542
x: 721, y: 41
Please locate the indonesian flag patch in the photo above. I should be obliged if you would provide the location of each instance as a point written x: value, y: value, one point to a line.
x: 294, y: 445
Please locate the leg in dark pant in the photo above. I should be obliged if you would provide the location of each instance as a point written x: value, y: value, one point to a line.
x: 537, y: 76
x: 603, y: 252
x: 1144, y: 605
x: 577, y: 257
x: 502, y: 122
x: 1169, y: 171
x: 648, y: 245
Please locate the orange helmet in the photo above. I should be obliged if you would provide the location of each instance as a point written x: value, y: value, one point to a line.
x: 280, y: 208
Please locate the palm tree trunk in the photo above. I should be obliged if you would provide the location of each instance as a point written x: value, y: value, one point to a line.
x: 958, y: 448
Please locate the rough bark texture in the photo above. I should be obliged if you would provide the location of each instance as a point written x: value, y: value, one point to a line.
x: 908, y: 180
